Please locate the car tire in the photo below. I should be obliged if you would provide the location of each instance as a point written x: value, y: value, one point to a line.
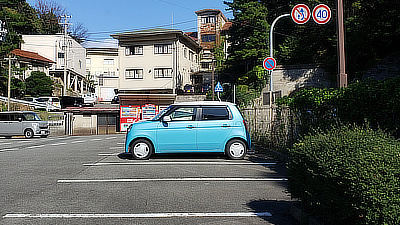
x: 28, y: 133
x: 236, y: 149
x: 141, y: 149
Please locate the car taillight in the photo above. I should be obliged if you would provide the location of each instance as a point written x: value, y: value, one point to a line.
x: 245, y: 125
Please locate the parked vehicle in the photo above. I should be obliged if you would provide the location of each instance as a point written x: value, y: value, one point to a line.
x: 191, y: 127
x: 89, y: 99
x: 188, y: 89
x: 53, y: 101
x: 70, y: 101
x: 115, y: 100
x: 25, y: 123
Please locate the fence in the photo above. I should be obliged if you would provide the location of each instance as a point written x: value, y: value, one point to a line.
x: 278, y: 133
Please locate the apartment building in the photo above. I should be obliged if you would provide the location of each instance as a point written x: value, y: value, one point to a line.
x: 211, y: 25
x: 102, y: 66
x: 70, y: 61
x: 155, y: 64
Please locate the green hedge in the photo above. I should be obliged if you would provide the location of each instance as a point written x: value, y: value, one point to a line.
x: 371, y: 101
x: 348, y: 175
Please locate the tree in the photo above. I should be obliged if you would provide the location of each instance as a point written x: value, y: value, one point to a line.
x: 39, y: 84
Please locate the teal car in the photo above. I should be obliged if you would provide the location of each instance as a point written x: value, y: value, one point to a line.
x: 191, y: 127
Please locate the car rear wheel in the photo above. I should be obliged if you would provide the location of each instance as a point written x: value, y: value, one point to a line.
x: 141, y: 149
x: 28, y: 133
x: 236, y: 149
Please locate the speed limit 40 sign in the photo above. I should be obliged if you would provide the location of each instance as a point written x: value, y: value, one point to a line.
x: 321, y: 14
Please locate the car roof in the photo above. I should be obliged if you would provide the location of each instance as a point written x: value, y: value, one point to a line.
x: 204, y: 103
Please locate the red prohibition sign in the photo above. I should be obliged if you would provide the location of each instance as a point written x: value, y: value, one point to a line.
x: 321, y: 14
x: 269, y: 63
x: 301, y: 14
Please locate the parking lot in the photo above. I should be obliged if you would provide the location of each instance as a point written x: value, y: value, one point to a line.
x: 89, y: 180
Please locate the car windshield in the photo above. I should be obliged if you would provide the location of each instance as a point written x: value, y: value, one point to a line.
x: 31, y: 117
x: 159, y: 115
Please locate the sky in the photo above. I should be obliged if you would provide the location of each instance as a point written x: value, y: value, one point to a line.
x: 103, y: 18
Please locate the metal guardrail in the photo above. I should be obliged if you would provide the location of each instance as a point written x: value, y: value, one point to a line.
x: 46, y: 105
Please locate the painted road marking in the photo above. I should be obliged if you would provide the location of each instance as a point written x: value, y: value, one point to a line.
x: 174, y: 179
x: 61, y: 143
x: 110, y: 138
x: 175, y: 163
x: 74, y: 142
x: 141, y: 215
x: 37, y: 146
x: 108, y: 154
x: 8, y: 149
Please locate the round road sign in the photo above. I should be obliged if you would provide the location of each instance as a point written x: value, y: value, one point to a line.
x: 321, y: 14
x: 269, y: 63
x: 301, y: 14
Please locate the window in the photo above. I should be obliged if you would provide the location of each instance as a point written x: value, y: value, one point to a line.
x: 163, y: 49
x: 208, y: 38
x: 207, y: 19
x: 134, y: 73
x: 108, y: 62
x: 183, y: 114
x: 163, y: 73
x: 134, y: 50
x: 205, y: 65
x: 61, y: 55
x: 215, y: 113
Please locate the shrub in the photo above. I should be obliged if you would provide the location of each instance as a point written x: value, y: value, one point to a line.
x: 348, y: 175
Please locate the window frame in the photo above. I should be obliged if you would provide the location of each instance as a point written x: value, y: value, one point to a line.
x: 165, y: 49
x: 157, y: 76
x: 135, y: 77
x: 131, y: 50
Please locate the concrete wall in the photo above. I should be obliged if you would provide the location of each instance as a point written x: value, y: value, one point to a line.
x: 85, y: 124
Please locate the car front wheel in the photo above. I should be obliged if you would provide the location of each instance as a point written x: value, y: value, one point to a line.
x: 141, y: 149
x: 236, y: 149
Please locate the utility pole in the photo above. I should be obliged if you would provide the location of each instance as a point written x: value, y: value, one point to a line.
x: 342, y: 76
x: 9, y: 81
x: 65, y: 49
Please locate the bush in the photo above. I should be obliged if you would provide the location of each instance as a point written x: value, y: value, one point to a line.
x: 348, y: 175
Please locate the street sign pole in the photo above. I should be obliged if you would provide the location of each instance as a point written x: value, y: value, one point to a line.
x: 271, y: 54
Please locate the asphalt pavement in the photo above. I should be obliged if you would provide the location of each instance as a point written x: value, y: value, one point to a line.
x: 89, y: 180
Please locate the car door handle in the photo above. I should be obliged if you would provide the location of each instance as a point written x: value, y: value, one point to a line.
x: 225, y: 125
x: 190, y: 126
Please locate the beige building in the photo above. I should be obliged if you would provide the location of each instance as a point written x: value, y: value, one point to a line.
x: 211, y: 24
x: 66, y: 53
x: 154, y: 65
x: 102, y: 66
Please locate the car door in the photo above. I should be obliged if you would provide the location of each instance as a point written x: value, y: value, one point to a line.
x: 15, y: 124
x: 179, y: 134
x: 214, y: 128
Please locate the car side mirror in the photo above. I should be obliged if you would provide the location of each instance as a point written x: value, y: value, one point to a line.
x: 166, y: 119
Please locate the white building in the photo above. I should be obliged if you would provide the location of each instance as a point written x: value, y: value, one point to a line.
x: 102, y: 65
x: 155, y: 64
x: 69, y: 57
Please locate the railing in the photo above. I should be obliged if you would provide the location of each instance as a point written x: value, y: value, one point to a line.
x: 45, y: 105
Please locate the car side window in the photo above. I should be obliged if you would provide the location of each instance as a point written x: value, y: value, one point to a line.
x: 183, y: 114
x: 4, y: 117
x: 215, y: 113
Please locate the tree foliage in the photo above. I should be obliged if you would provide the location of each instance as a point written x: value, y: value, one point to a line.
x: 39, y: 84
x: 372, y: 31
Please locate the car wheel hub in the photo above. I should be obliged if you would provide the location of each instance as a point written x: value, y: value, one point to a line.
x: 141, y: 150
x: 236, y: 149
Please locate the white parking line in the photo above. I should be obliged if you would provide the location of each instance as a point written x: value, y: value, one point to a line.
x: 37, y: 146
x: 74, y: 142
x: 110, y: 138
x: 108, y: 154
x: 122, y: 147
x: 61, y: 143
x: 175, y: 163
x: 174, y: 179
x: 141, y: 215
x: 8, y: 149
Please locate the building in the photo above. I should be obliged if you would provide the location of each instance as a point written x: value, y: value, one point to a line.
x: 155, y: 65
x: 30, y: 61
x: 102, y: 66
x: 69, y: 57
x: 211, y: 24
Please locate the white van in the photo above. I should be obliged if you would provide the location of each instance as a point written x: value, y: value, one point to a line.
x: 53, y: 101
x: 15, y: 123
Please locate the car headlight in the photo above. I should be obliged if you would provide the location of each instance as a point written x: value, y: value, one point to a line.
x: 129, y: 128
